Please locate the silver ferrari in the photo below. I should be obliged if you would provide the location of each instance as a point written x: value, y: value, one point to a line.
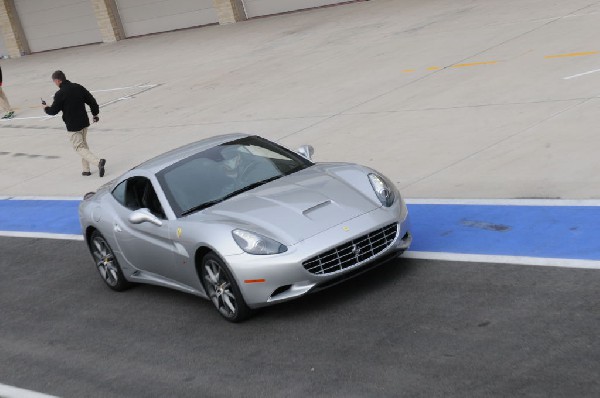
x: 243, y: 222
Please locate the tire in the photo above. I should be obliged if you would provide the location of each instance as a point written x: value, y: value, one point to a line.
x: 106, y: 263
x: 222, y: 290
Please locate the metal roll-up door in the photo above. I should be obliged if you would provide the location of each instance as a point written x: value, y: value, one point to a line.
x: 256, y: 8
x: 50, y: 24
x: 140, y: 17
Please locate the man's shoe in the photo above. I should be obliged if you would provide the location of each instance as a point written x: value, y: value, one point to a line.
x: 101, y: 167
x: 86, y: 173
x: 9, y: 115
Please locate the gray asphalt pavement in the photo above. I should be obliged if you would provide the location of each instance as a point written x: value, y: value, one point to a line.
x: 408, y: 328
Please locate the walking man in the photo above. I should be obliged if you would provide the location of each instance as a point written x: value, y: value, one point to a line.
x: 71, y: 99
x: 9, y: 114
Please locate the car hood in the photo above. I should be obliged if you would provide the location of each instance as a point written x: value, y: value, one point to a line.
x: 295, y: 207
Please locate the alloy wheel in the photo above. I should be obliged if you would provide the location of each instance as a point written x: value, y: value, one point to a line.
x: 105, y: 261
x: 219, y: 289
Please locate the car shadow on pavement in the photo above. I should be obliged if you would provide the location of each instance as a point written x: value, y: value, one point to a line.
x: 357, y: 289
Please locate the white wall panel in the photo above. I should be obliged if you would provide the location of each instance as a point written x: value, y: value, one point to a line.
x: 50, y: 24
x: 140, y: 17
x: 256, y: 8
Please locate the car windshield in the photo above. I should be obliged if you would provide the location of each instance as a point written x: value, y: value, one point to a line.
x: 219, y: 173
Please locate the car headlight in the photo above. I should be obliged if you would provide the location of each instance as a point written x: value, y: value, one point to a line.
x: 385, y: 193
x: 254, y: 243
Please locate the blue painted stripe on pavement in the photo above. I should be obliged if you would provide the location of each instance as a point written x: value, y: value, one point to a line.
x: 569, y: 232
x: 49, y: 216
x: 533, y: 231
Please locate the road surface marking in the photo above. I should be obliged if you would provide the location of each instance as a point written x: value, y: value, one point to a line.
x: 581, y: 74
x: 125, y: 88
x: 517, y: 260
x: 474, y: 64
x: 144, y: 87
x: 505, y: 202
x: 579, y: 54
x: 521, y: 231
x: 14, y: 392
x: 42, y: 235
x: 28, y: 118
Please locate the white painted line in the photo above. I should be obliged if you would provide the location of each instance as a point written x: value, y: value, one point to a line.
x: 506, y: 202
x: 14, y: 392
x: 420, y: 201
x: 125, y: 88
x: 28, y: 118
x: 42, y: 235
x: 46, y: 117
x: 581, y: 74
x: 114, y: 101
x: 41, y: 197
x: 518, y: 260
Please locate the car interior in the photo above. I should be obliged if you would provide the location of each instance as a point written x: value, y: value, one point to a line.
x: 139, y: 193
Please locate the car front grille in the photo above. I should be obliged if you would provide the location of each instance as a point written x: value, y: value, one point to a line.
x: 352, y: 252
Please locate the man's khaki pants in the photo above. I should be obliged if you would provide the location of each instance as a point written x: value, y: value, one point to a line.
x: 78, y: 140
x: 4, y: 101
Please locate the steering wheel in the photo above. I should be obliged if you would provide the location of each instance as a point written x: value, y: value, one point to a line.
x: 245, y: 171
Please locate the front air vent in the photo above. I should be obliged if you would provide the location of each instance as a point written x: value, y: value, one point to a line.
x: 353, y: 252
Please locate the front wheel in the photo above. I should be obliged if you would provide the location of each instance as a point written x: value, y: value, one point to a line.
x: 106, y: 263
x: 222, y: 290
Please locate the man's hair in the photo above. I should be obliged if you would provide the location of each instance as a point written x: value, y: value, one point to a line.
x: 59, y: 75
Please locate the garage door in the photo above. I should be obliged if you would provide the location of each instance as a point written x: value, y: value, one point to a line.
x: 256, y: 8
x: 50, y: 24
x: 140, y: 17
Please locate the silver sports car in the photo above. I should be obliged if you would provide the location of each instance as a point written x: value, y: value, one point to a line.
x: 244, y: 222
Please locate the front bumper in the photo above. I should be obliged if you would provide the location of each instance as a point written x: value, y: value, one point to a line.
x: 266, y: 280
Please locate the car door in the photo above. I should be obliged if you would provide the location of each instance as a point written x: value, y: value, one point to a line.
x: 145, y: 245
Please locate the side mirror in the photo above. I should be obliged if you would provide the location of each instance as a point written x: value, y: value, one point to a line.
x: 306, y: 151
x: 144, y: 215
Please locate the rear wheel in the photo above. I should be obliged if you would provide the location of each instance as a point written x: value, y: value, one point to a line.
x: 222, y: 289
x: 107, y: 263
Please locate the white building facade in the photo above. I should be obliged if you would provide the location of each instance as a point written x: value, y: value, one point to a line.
x: 30, y: 26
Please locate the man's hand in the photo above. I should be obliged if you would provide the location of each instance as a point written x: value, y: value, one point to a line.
x: 96, y: 119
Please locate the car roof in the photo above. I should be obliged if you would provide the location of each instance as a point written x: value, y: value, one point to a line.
x: 166, y: 159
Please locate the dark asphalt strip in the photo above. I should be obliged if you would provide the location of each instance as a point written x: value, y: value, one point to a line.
x: 408, y: 328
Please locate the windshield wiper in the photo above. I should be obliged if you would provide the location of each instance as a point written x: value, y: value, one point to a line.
x: 249, y: 187
x: 202, y: 206
x: 229, y: 195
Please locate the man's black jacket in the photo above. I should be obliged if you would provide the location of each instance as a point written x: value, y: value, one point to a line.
x: 71, y: 100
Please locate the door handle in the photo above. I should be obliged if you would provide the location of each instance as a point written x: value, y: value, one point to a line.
x: 117, y: 228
